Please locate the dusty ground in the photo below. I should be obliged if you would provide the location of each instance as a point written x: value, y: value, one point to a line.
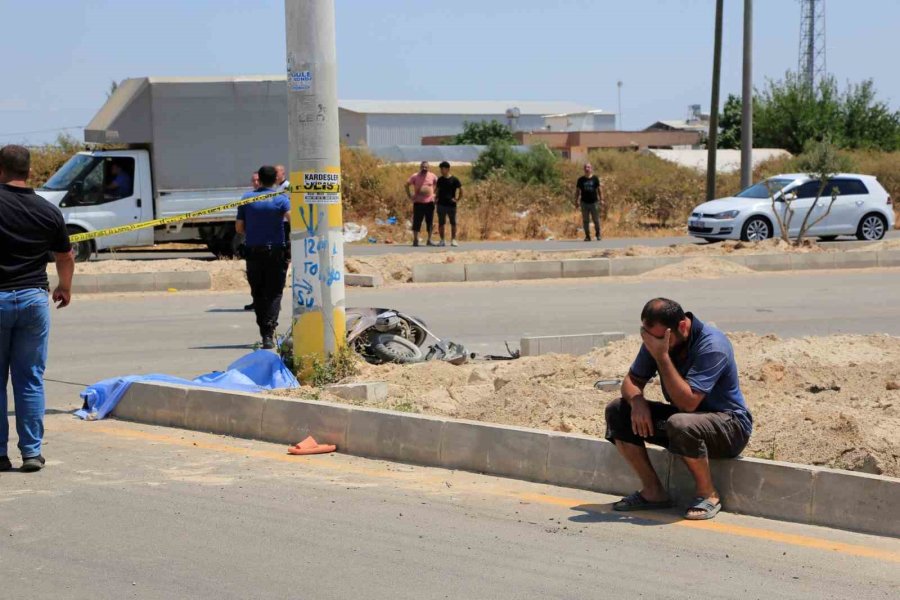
x: 226, y: 274
x: 832, y: 401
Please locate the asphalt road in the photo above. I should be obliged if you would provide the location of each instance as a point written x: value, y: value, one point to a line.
x: 129, y: 511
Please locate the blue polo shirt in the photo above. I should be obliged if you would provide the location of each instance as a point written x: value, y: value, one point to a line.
x: 264, y: 220
x: 709, y: 368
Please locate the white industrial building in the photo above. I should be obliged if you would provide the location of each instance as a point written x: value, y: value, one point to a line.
x: 405, y: 122
x: 589, y: 120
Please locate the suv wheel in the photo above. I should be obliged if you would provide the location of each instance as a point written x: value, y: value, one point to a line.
x: 871, y: 228
x: 756, y: 229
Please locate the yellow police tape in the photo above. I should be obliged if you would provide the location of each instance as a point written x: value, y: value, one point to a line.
x: 90, y: 235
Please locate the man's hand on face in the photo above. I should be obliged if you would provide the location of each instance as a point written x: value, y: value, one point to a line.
x: 658, y: 347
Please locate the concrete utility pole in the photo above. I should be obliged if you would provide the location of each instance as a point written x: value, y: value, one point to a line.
x: 619, y: 90
x: 747, y: 100
x: 317, y: 242
x: 712, y: 139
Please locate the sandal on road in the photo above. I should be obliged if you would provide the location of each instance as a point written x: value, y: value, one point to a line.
x: 709, y: 509
x: 636, y: 501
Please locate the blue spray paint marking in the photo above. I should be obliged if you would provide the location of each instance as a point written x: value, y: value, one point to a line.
x: 333, y: 276
x: 309, y: 224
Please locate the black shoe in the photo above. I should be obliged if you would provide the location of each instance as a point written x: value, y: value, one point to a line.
x: 268, y: 343
x: 248, y: 306
x: 32, y: 464
x: 587, y: 239
x: 599, y: 238
x: 416, y: 242
x: 5, y: 465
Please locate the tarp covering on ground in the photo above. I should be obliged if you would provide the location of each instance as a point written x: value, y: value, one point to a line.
x: 255, y: 372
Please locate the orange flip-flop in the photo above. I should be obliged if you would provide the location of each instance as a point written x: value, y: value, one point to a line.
x: 311, y: 446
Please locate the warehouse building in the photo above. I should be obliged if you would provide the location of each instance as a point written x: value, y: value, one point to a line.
x: 405, y: 122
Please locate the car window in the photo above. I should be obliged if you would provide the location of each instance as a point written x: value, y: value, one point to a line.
x: 807, y: 190
x: 764, y: 188
x: 846, y: 187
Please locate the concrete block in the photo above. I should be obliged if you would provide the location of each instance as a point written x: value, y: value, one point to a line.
x: 226, y: 413
x: 153, y: 404
x: 573, y: 460
x: 856, y: 501
x: 855, y: 260
x: 538, y: 269
x: 614, y: 476
x: 499, y: 450
x: 363, y: 280
x: 662, y: 261
x: 585, y: 267
x: 624, y: 267
x: 81, y: 284
x: 492, y: 272
x: 370, y: 391
x: 288, y: 421
x: 769, y: 262
x: 804, y: 262
x: 395, y: 436
x: 738, y: 259
x: 751, y: 486
x: 889, y: 258
x: 437, y: 273
x: 567, y: 344
x: 183, y: 280
x: 126, y: 282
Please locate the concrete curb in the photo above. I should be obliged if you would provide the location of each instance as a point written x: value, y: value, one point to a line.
x: 581, y: 343
x: 103, y: 283
x: 790, y: 492
x: 631, y: 266
x: 360, y: 280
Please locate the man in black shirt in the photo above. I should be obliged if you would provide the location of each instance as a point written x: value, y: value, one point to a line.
x: 30, y: 229
x: 449, y: 193
x: 590, y: 195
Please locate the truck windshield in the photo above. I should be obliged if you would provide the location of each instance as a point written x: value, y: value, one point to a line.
x: 764, y: 188
x: 69, y: 172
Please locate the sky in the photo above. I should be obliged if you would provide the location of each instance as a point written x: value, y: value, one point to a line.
x: 61, y: 55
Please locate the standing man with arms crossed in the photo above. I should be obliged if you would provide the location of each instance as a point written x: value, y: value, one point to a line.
x: 263, y: 224
x: 705, y: 417
x: 589, y: 195
x: 30, y: 228
x: 449, y: 193
x: 420, y: 189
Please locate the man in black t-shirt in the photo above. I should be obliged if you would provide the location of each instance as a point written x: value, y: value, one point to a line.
x: 589, y: 195
x: 449, y: 193
x: 30, y: 229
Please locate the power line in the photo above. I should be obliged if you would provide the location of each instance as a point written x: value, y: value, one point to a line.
x: 41, y: 131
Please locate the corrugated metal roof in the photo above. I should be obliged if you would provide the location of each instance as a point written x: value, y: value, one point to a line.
x: 460, y: 107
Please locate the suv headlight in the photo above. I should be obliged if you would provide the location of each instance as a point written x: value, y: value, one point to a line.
x: 728, y: 214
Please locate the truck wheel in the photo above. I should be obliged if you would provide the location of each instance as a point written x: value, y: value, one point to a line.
x: 226, y: 246
x: 83, y: 250
x: 396, y: 349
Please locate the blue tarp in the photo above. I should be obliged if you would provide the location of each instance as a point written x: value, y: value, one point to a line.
x: 257, y: 371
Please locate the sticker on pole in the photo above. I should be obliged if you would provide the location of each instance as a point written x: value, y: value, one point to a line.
x: 300, y: 81
x: 318, y: 187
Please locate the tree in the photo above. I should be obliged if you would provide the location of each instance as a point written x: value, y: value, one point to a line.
x: 730, y: 136
x: 821, y: 161
x: 483, y: 133
x: 536, y: 166
x: 788, y: 114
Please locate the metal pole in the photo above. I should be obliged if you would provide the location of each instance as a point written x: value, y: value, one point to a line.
x: 619, y: 90
x: 317, y: 243
x: 713, y: 138
x: 747, y: 99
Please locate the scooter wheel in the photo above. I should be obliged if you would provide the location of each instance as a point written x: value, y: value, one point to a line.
x: 396, y: 349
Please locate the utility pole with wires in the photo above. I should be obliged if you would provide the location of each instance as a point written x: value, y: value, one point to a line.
x: 747, y: 99
x: 317, y: 242
x: 713, y: 138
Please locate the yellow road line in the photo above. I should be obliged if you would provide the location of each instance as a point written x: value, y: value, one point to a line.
x: 802, y: 541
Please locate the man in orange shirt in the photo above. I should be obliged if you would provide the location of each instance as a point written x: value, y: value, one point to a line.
x: 420, y: 189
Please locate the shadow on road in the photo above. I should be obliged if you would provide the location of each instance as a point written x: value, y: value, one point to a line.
x: 228, y: 310
x: 224, y: 347
x: 604, y: 513
x: 48, y: 411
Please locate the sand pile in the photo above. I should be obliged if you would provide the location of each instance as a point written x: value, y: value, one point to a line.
x: 705, y: 267
x: 832, y: 401
x: 226, y: 274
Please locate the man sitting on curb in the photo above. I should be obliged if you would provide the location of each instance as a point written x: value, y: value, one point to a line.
x: 706, y: 416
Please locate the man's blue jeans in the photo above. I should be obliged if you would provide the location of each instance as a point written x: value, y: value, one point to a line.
x: 24, y: 337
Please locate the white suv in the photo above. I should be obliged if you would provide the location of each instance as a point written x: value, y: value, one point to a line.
x: 863, y: 208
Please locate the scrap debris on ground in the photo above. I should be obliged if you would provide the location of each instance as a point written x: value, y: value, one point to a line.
x: 832, y: 401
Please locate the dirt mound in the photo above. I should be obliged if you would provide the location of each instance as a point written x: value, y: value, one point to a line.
x: 698, y: 268
x: 225, y: 274
x: 832, y: 401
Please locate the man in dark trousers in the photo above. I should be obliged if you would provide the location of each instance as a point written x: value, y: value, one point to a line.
x: 590, y: 196
x: 705, y: 415
x: 420, y: 189
x: 449, y: 193
x: 263, y: 225
x: 30, y: 230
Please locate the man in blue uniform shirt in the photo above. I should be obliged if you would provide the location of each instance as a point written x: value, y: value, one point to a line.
x: 262, y: 223
x: 705, y: 417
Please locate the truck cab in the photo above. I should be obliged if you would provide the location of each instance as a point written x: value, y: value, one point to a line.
x: 97, y: 190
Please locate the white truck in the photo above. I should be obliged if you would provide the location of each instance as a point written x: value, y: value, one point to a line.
x: 186, y: 144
